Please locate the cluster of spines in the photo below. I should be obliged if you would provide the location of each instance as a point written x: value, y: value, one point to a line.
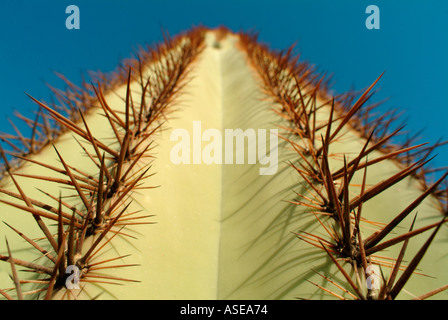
x: 167, y: 81
x: 103, y: 198
x: 294, y: 87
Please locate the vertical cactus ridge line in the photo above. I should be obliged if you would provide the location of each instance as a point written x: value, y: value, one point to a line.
x: 96, y: 177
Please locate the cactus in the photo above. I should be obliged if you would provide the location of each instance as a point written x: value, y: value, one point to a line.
x: 94, y: 199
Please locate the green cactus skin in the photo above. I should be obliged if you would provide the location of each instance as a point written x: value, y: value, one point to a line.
x: 199, y: 231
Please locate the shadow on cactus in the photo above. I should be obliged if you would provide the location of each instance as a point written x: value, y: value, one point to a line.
x: 94, y: 207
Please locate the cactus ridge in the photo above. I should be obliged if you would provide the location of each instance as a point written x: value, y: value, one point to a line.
x: 335, y: 183
x: 107, y: 195
x: 292, y: 87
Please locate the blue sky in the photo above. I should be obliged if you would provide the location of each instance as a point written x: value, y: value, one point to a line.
x: 411, y: 45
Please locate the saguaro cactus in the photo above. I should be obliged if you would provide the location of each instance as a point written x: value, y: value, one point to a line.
x: 94, y: 198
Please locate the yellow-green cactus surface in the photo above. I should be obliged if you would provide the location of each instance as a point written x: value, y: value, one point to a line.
x: 141, y: 186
